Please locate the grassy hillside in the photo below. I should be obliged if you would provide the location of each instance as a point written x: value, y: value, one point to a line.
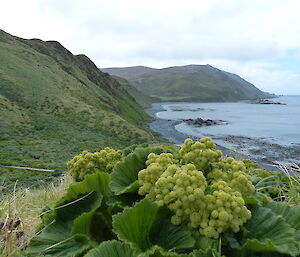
x: 54, y: 105
x: 189, y: 83
x: 144, y: 100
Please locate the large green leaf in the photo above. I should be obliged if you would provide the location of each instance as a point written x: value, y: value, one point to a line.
x: 124, y: 200
x: 119, y: 249
x: 169, y: 236
x: 134, y: 224
x: 145, y: 225
x: 203, y: 244
x: 291, y: 214
x: 101, y: 226
x: 206, y: 253
x: 266, y: 232
x: 97, y: 222
x: 82, y: 224
x: 111, y: 249
x: 72, y: 217
x: 56, y: 241
x: 157, y: 251
x: 125, y: 174
x: 81, y: 197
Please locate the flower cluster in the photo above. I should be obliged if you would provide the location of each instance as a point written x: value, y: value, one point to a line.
x: 203, y: 191
x: 87, y: 163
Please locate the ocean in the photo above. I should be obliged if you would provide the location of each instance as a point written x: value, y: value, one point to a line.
x: 249, y: 126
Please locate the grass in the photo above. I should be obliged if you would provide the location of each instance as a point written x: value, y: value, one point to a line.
x: 20, y: 214
x: 189, y: 83
x: 24, y: 178
x: 144, y: 100
x: 291, y: 193
x: 54, y: 105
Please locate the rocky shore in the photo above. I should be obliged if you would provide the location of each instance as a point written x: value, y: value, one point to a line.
x: 266, y: 101
x: 258, y: 150
x: 199, y: 122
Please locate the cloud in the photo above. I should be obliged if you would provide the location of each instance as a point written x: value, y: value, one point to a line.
x: 252, y: 39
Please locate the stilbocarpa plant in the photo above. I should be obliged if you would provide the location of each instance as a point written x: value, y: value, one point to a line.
x: 163, y: 201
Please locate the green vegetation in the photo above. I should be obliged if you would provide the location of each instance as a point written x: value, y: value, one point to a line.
x: 189, y: 83
x: 19, y: 178
x: 141, y: 201
x: 87, y: 163
x: 54, y: 105
x: 213, y: 203
x: 144, y: 100
x: 20, y: 213
x: 106, y: 214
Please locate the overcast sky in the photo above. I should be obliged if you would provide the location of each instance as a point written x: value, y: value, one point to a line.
x: 256, y: 39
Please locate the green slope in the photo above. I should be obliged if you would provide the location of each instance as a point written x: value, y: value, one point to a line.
x: 54, y: 105
x: 144, y: 100
x: 189, y: 83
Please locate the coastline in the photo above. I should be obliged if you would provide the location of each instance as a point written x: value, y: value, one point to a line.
x: 262, y: 153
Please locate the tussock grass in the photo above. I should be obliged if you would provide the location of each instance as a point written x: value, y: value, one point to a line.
x: 292, y: 192
x: 20, y: 214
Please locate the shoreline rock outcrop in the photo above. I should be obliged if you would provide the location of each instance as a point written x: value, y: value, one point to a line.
x: 266, y: 101
x: 199, y: 122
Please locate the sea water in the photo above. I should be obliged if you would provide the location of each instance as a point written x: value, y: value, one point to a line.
x: 278, y: 124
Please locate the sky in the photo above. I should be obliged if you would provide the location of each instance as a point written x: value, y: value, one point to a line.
x: 257, y: 39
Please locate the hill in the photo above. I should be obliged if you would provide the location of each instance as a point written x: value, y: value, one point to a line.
x: 144, y: 100
x: 189, y: 83
x: 54, y: 104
